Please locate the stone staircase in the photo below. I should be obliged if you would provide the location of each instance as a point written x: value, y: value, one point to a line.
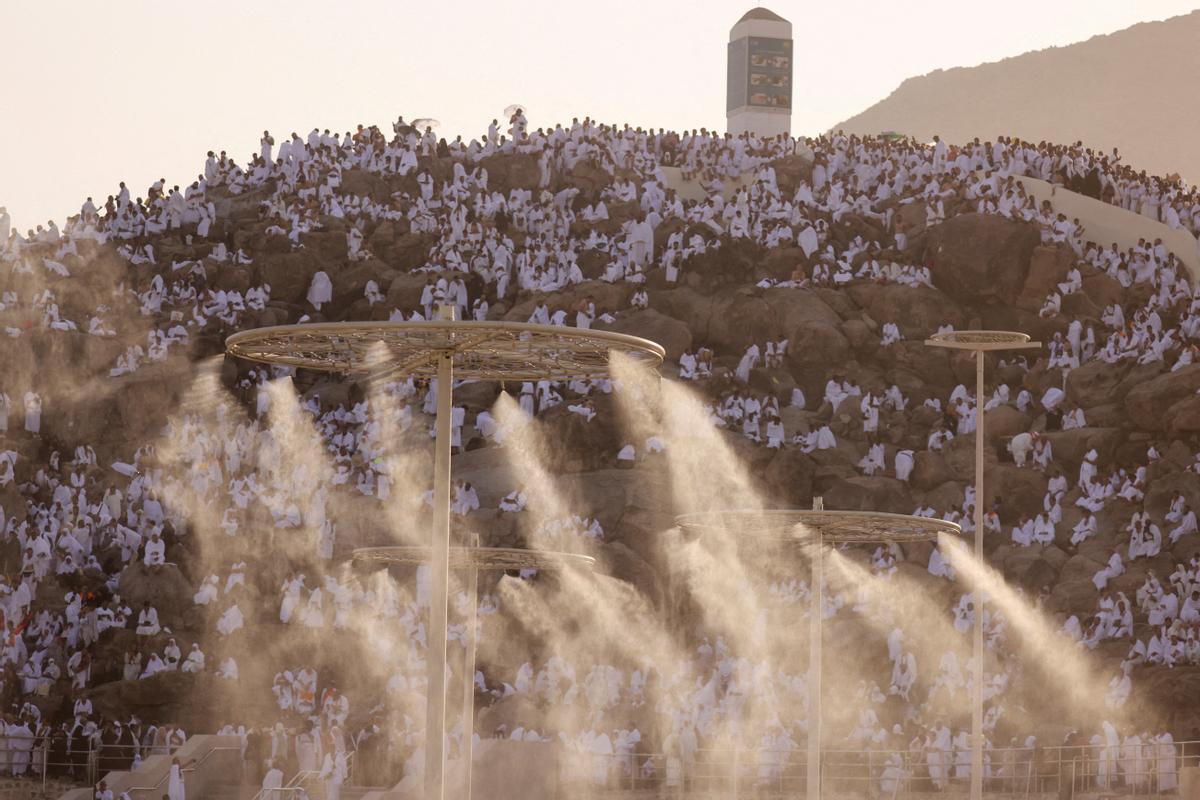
x: 237, y: 791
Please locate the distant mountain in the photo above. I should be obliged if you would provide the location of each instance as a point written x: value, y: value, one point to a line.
x: 1137, y: 89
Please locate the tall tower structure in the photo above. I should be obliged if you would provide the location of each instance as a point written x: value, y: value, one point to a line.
x: 758, y: 96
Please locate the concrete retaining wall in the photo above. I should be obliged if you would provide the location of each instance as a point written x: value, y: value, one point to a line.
x: 1105, y: 224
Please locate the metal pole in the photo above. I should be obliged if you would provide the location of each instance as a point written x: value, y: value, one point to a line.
x: 977, y: 685
x: 469, y: 670
x: 735, y: 771
x: 439, y: 579
x: 815, y: 607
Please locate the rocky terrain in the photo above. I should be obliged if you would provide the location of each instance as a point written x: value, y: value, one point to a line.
x: 1064, y: 94
x: 988, y: 272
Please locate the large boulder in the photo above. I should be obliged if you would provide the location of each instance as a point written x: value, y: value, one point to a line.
x: 930, y: 470
x: 741, y: 318
x: 788, y: 479
x: 1004, y: 422
x: 736, y: 261
x: 581, y: 445
x: 815, y: 343
x: 917, y: 311
x: 673, y: 335
x: 782, y: 262
x: 919, y: 370
x: 1183, y: 417
x: 623, y: 561
x: 365, y: 184
x: 289, y: 274
x: 1028, y: 569
x: 981, y: 258
x: 156, y: 698
x: 512, y: 171
x: 1020, y: 491
x: 1071, y: 446
x: 165, y: 588
x: 149, y: 395
x: 1148, y: 403
x: 603, y: 494
x: 1101, y: 288
x: 869, y: 493
x: 1076, y: 596
x: 407, y: 251
x: 791, y: 171
x: 588, y: 177
x: 1048, y: 267
x: 404, y: 292
x: 349, y: 283
x: 1094, y: 383
x: 327, y: 244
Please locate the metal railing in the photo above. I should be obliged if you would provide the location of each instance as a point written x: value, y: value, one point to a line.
x: 293, y: 789
x: 107, y: 758
x: 297, y: 786
x: 1022, y: 771
x: 30, y: 756
x: 190, y: 768
x: 35, y: 757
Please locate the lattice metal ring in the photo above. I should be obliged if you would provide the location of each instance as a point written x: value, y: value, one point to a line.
x: 834, y: 527
x: 480, y: 350
x: 484, y: 558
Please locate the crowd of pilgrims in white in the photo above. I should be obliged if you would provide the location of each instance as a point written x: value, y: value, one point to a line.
x: 84, y: 518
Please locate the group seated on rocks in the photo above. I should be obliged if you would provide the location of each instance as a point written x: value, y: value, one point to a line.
x: 132, y: 543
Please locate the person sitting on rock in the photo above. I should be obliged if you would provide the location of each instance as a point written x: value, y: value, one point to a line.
x: 514, y: 501
x: 1022, y: 533
x: 171, y: 655
x: 938, y: 438
x: 194, y: 661
x: 1043, y: 530
x: 228, y: 669
x: 1083, y: 529
x: 1187, y: 524
x: 147, y: 623
x: 132, y: 666
x: 154, y: 665
x: 1145, y: 539
x: 156, y: 552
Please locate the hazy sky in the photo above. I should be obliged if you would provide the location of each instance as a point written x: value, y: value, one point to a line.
x: 137, y: 90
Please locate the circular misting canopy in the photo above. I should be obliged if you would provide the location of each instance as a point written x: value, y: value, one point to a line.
x: 864, y: 527
x: 486, y: 558
x: 480, y: 350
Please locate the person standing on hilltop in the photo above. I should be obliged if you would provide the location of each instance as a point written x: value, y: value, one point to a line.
x: 518, y: 125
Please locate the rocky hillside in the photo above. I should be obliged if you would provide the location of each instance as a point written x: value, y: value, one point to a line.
x: 179, y: 419
x: 1079, y: 92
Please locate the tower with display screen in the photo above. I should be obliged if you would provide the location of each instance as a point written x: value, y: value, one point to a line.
x: 758, y: 95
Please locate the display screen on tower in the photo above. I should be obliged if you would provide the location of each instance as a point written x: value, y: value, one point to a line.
x: 769, y: 73
x: 737, y: 82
